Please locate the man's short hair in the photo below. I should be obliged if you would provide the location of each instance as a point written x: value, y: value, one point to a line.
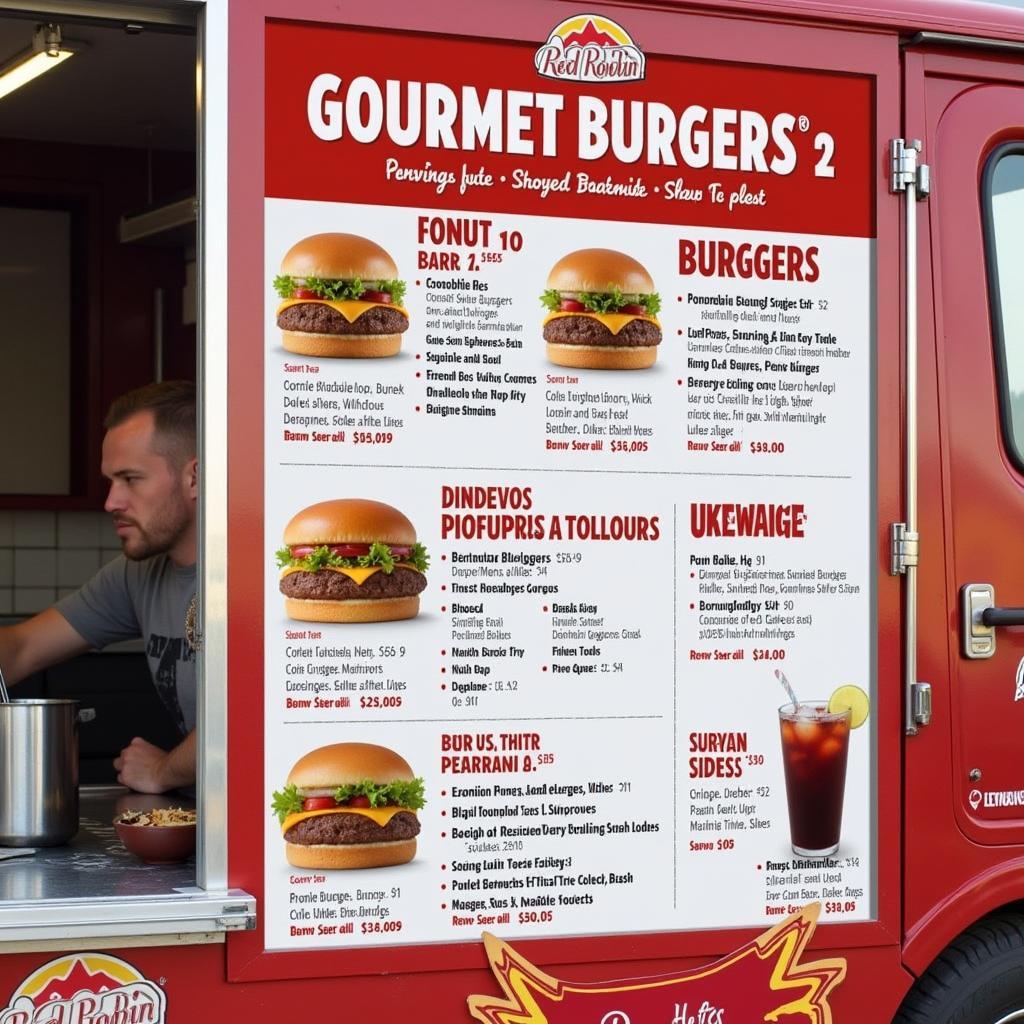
x: 173, y: 405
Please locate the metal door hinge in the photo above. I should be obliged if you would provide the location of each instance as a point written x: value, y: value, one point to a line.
x: 904, y: 549
x: 906, y: 170
x: 921, y: 703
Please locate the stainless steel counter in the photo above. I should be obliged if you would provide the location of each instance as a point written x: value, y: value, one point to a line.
x: 94, y: 888
x: 95, y: 863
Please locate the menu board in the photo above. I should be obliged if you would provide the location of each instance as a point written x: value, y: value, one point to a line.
x: 568, y: 461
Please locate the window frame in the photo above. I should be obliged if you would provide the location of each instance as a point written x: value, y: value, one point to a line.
x: 1010, y: 440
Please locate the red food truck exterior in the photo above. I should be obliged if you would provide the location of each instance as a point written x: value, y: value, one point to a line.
x: 825, y: 200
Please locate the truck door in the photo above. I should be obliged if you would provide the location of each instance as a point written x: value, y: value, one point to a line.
x: 974, y: 112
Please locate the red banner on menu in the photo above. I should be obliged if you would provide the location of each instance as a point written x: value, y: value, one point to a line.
x: 406, y: 119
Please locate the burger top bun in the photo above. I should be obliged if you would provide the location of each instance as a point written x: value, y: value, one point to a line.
x: 343, y: 763
x: 593, y: 270
x: 349, y: 521
x: 339, y: 256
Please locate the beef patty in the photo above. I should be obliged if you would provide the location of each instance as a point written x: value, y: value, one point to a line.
x: 316, y: 318
x: 337, y: 829
x: 334, y: 586
x: 585, y: 330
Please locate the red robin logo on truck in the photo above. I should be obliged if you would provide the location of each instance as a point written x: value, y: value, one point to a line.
x: 87, y: 987
x: 590, y: 48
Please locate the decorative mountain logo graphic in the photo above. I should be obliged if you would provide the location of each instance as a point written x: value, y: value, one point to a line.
x: 590, y: 48
x: 590, y: 33
x: 86, y: 987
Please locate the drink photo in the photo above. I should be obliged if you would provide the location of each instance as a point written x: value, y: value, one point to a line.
x: 815, y: 738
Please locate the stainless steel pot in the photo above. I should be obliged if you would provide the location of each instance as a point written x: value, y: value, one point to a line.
x: 39, y: 771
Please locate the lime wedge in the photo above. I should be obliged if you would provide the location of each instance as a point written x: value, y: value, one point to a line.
x: 854, y: 698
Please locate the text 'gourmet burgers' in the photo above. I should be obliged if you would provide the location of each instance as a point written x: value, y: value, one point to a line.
x: 350, y: 805
x: 351, y: 560
x: 603, y: 310
x: 341, y: 297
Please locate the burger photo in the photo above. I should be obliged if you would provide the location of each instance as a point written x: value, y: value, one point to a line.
x: 349, y: 805
x: 602, y: 312
x: 340, y: 297
x: 351, y: 560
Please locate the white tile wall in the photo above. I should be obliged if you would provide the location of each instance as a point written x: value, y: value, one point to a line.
x: 35, y: 529
x: 82, y: 529
x: 46, y: 555
x: 35, y: 567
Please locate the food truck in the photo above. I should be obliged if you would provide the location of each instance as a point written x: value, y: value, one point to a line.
x: 611, y: 448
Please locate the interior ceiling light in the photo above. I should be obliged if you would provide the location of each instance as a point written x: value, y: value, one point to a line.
x: 48, y: 50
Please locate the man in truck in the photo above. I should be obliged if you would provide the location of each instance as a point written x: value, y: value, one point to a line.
x: 149, y: 591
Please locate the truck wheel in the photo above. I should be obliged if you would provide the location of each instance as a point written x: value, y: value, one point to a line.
x: 977, y: 979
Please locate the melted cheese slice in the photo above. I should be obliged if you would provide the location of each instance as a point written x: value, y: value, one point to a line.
x: 381, y: 815
x: 357, y: 575
x: 613, y: 321
x: 350, y: 309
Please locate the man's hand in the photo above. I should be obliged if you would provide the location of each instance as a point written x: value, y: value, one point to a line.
x: 148, y: 769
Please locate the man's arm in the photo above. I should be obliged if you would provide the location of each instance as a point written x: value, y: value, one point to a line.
x: 148, y: 769
x: 37, y: 643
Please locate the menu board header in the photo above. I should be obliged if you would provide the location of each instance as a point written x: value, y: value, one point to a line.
x: 529, y: 124
x: 531, y: 128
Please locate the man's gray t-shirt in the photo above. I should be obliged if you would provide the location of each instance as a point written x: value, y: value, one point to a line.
x: 126, y: 600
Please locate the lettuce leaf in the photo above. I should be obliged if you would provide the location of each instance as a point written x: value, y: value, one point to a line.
x: 328, y: 288
x: 604, y: 302
x: 379, y: 555
x: 389, y: 794
x: 286, y: 801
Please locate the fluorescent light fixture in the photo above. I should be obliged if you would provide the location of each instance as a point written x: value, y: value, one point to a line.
x: 47, y: 51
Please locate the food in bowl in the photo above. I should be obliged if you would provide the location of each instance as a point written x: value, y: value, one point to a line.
x: 159, y: 817
x: 164, y: 835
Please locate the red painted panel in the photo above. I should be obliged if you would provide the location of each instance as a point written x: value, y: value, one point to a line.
x: 609, y: 956
x: 969, y: 496
x: 193, y: 983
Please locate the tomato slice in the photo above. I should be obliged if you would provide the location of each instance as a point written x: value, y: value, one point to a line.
x: 358, y: 801
x: 633, y: 308
x: 350, y: 550
x: 571, y: 306
x: 371, y: 296
x: 319, y: 803
x: 304, y: 293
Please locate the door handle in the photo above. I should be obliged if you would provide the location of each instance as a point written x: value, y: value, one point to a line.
x: 1003, y: 617
x: 977, y: 635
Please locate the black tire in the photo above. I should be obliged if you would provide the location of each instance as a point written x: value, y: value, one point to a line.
x: 977, y: 979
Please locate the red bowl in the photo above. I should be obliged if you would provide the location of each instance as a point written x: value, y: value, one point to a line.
x: 158, y: 844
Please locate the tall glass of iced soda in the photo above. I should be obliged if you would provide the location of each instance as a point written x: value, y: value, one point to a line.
x: 815, y: 742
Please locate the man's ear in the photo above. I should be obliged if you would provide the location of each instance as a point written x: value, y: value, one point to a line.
x: 191, y: 474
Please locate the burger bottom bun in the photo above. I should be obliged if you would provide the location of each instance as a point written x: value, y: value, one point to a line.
x: 352, y: 855
x: 342, y: 346
x: 603, y: 357
x: 383, y: 609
